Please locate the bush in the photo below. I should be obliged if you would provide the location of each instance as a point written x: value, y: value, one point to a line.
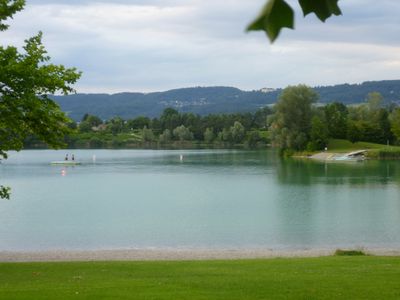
x: 341, y: 252
x: 95, y: 142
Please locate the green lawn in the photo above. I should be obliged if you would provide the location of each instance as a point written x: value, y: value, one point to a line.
x: 365, y: 277
x: 336, y: 145
x: 376, y: 151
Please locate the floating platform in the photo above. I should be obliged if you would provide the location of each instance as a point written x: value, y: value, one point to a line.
x: 358, y: 155
x: 65, y: 163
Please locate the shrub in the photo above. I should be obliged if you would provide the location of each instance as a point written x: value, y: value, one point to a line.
x: 341, y: 252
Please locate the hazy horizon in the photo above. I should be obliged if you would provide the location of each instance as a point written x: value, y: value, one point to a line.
x: 153, y: 45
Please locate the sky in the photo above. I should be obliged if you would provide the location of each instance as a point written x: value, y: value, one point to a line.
x: 157, y: 45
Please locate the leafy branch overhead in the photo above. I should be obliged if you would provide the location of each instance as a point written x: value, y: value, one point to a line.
x: 277, y: 14
x: 26, y: 79
x: 7, y: 9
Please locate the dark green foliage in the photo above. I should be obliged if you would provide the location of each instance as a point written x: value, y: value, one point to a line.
x: 147, y: 134
x: 209, y: 135
x: 89, y: 122
x: 7, y: 9
x: 116, y: 125
x: 323, y: 9
x: 138, y: 123
x: 253, y: 137
x: 237, y: 132
x: 165, y: 137
x: 395, y: 123
x: 85, y: 127
x: 260, y: 117
x: 5, y: 192
x: 318, y: 135
x: 292, y: 121
x: 24, y: 106
x: 26, y: 79
x: 354, y: 133
x: 277, y: 14
x: 370, y: 121
x: 225, y: 128
x: 95, y: 143
x: 340, y: 252
x: 336, y: 120
x: 181, y: 133
x: 170, y: 119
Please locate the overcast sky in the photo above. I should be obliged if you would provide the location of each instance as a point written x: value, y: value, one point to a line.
x: 155, y: 45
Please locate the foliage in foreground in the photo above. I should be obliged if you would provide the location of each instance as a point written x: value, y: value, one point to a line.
x: 26, y: 79
x: 338, y: 277
x: 277, y: 14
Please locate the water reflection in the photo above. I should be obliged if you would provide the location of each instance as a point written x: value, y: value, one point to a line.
x: 210, y: 198
x: 306, y: 172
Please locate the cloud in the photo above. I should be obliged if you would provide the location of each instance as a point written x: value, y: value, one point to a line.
x: 156, y: 45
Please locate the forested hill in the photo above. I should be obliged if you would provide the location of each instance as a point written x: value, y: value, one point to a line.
x: 206, y: 100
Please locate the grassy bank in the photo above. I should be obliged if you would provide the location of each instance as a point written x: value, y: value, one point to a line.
x: 360, y: 277
x: 375, y: 151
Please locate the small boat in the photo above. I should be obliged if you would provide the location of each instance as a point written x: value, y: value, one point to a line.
x: 65, y: 163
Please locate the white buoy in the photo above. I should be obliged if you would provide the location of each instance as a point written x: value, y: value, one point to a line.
x: 94, y: 158
x: 181, y: 157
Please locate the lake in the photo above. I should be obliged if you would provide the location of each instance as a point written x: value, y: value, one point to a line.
x: 208, y: 199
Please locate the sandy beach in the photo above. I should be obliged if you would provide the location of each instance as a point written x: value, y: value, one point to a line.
x: 173, y: 254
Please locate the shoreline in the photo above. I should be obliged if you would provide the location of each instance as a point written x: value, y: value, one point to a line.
x: 174, y: 254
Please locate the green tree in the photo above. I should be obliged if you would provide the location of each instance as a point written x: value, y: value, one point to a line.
x: 336, y: 115
x: 291, y: 123
x: 260, y: 117
x: 318, y: 135
x: 182, y: 133
x: 225, y: 135
x: 147, y: 134
x: 277, y: 14
x: 253, y: 137
x: 26, y: 80
x: 209, y: 135
x: 374, y: 101
x: 95, y: 143
x: 166, y: 136
x: 139, y: 123
x: 395, y: 123
x: 116, y: 125
x: 237, y: 132
x: 88, y: 122
x: 372, y: 120
x: 170, y: 119
x: 85, y: 127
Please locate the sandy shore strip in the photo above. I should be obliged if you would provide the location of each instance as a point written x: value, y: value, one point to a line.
x: 172, y: 254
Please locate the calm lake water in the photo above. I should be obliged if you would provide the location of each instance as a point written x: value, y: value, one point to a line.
x: 210, y: 199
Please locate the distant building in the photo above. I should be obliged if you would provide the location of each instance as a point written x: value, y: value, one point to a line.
x: 267, y: 90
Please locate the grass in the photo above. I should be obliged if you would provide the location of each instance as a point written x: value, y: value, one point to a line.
x: 336, y: 277
x: 375, y: 151
x: 337, y: 145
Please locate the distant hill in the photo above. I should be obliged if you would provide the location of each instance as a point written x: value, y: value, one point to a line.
x: 206, y: 100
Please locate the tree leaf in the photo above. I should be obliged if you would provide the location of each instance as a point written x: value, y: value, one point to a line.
x: 275, y: 15
x: 323, y: 9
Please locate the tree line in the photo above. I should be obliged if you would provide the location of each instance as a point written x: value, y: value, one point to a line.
x: 298, y: 124
x: 171, y: 127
